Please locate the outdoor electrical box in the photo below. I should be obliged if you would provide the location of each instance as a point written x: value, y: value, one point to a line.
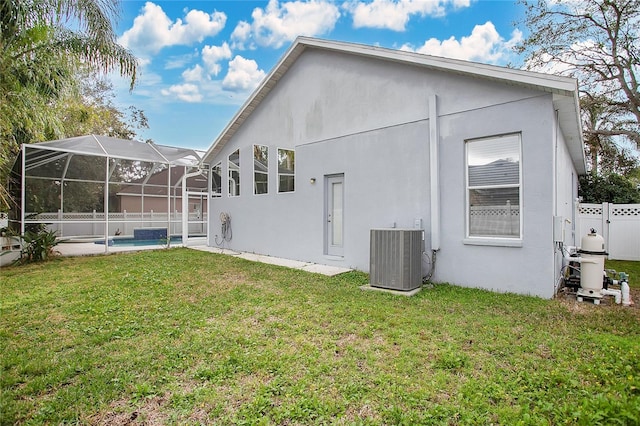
x: 558, y: 229
x: 396, y: 259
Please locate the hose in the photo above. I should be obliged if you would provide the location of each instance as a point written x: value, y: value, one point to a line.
x: 426, y: 278
x: 225, y: 229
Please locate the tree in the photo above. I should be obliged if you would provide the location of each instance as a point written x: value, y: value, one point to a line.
x: 603, y: 153
x: 89, y: 109
x: 612, y: 188
x: 595, y: 41
x: 43, y: 44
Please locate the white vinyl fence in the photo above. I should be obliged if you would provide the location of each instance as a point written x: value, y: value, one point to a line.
x: 92, y: 224
x: 619, y: 225
x: 494, y: 220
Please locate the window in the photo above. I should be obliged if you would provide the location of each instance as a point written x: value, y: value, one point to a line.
x: 493, y: 187
x: 260, y: 169
x: 234, y: 173
x: 216, y: 180
x: 286, y: 170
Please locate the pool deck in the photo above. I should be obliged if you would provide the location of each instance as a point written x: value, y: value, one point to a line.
x: 92, y: 249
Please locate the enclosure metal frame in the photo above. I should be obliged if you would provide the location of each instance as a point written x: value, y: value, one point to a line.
x: 188, y: 159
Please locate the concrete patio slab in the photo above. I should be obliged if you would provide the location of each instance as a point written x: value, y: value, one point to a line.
x: 316, y: 268
x: 92, y: 249
x: 327, y: 270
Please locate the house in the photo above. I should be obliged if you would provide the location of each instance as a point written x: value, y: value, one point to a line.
x: 342, y: 138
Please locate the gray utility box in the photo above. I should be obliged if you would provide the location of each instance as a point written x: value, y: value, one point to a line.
x: 396, y: 259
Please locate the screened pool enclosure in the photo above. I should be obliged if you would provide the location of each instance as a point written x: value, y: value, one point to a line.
x: 101, y: 187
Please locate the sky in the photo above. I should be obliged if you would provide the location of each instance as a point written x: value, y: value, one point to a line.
x: 200, y: 60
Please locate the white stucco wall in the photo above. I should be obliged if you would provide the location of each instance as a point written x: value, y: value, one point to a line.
x: 368, y: 119
x: 527, y: 269
x: 566, y: 189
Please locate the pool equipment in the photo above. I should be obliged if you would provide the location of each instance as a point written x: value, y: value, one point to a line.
x: 587, y: 276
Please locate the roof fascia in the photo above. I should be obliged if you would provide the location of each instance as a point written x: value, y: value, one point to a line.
x: 572, y: 129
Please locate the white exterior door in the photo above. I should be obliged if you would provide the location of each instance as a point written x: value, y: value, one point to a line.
x: 334, y: 215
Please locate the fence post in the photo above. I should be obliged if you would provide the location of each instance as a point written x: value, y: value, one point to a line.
x: 60, y: 225
x: 576, y: 222
x: 605, y: 225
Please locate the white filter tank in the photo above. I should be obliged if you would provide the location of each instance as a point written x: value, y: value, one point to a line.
x: 592, y: 253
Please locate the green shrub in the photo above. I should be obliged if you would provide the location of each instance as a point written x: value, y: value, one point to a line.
x: 38, y: 246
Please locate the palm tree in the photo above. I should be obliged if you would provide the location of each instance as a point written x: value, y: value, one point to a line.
x: 43, y: 44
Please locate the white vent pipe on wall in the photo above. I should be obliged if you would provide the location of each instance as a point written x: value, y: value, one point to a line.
x: 434, y: 173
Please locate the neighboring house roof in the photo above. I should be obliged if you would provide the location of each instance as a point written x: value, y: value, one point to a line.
x: 156, y: 183
x: 499, y: 172
x: 564, y: 89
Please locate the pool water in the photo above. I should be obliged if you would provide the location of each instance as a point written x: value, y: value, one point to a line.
x: 132, y: 242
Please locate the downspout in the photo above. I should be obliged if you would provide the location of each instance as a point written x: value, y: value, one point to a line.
x: 555, y: 165
x: 434, y: 173
x: 555, y: 200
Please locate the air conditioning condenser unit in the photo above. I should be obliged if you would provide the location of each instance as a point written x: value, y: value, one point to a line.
x: 396, y: 259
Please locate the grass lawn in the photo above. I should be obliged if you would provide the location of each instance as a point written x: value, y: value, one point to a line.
x: 185, y: 337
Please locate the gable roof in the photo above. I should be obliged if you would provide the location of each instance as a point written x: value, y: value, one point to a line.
x: 563, y: 89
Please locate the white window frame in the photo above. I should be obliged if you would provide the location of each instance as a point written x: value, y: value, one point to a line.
x: 217, y: 194
x: 286, y: 174
x: 255, y: 187
x: 502, y: 240
x: 229, y: 171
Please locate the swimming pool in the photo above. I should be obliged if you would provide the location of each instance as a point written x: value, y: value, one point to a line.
x: 133, y: 242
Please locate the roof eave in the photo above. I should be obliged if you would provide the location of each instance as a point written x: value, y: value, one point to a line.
x: 568, y: 108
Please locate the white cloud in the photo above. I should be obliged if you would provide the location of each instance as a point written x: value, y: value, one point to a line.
x: 243, y: 74
x: 212, y: 55
x: 279, y: 23
x: 185, y: 92
x: 195, y: 74
x: 484, y: 44
x: 152, y: 29
x: 240, y: 35
x: 179, y: 61
x: 394, y: 14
